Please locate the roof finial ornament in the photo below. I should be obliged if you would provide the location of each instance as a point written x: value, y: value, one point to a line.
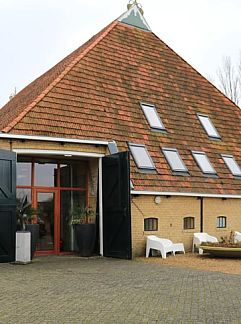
x: 133, y: 3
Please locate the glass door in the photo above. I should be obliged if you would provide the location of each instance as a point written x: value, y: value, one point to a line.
x: 69, y: 199
x: 46, y: 206
x: 55, y: 187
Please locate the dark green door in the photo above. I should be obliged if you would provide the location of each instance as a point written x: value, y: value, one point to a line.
x: 116, y: 206
x: 7, y: 205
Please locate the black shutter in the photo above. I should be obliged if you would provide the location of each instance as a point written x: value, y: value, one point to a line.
x: 7, y: 205
x: 116, y: 206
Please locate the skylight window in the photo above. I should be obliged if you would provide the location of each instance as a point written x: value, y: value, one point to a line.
x: 208, y: 126
x: 152, y: 116
x: 141, y: 156
x: 232, y: 165
x: 175, y: 161
x: 204, y: 163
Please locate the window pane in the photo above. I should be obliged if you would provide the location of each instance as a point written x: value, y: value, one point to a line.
x: 221, y: 222
x: 24, y: 173
x: 174, y: 160
x: 141, y: 156
x: 232, y: 165
x: 203, y: 162
x: 68, y: 200
x: 45, y: 206
x: 73, y: 174
x: 152, y: 116
x: 150, y: 224
x: 208, y: 126
x: 45, y: 174
x: 23, y: 195
x: 188, y: 223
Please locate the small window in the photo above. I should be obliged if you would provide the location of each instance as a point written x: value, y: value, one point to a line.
x: 141, y: 156
x: 204, y: 163
x: 150, y: 224
x: 175, y: 161
x: 221, y: 222
x: 232, y: 165
x: 188, y: 223
x: 152, y: 116
x: 208, y: 126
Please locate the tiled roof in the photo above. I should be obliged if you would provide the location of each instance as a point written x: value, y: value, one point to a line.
x: 95, y: 92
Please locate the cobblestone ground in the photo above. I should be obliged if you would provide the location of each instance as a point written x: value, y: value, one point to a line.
x: 98, y: 290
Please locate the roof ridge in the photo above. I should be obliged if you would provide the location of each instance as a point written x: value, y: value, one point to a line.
x: 69, y: 66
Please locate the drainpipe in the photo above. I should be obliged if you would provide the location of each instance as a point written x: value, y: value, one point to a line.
x: 201, y: 214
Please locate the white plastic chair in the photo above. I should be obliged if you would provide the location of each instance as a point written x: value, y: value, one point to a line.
x: 237, y: 237
x: 198, y: 238
x: 162, y: 245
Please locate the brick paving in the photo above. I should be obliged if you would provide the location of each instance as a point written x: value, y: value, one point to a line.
x: 97, y: 290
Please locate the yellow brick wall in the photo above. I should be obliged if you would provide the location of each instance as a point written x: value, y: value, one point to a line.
x: 38, y: 145
x: 231, y: 208
x: 170, y: 213
x: 5, y: 144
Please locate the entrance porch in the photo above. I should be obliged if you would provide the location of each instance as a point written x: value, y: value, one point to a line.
x: 55, y: 186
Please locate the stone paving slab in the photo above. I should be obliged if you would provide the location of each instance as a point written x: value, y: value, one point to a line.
x: 98, y: 290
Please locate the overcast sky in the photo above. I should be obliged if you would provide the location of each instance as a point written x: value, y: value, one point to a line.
x: 37, y: 34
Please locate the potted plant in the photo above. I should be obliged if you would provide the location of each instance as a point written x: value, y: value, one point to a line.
x: 25, y: 217
x: 225, y: 248
x: 83, y: 221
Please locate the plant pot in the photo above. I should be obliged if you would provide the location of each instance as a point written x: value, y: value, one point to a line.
x: 34, y: 230
x: 222, y: 252
x: 85, y: 235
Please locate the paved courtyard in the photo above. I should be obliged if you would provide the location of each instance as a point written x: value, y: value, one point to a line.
x: 97, y: 290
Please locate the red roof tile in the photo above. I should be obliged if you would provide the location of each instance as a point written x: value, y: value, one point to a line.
x: 95, y: 93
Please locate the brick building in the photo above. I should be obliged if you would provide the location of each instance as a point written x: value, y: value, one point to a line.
x: 126, y: 90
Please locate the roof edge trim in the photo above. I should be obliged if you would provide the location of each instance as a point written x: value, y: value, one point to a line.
x: 10, y: 126
x: 53, y: 139
x: 185, y: 194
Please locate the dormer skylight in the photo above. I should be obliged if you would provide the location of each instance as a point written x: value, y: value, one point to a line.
x: 208, y: 126
x: 232, y: 165
x: 152, y: 116
x: 174, y: 159
x: 141, y: 156
x: 204, y: 163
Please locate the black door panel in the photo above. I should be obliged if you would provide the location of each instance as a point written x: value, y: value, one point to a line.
x: 116, y: 206
x: 7, y: 205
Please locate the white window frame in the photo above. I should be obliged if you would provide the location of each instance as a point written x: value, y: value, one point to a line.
x: 195, y: 153
x: 132, y: 145
x: 151, y: 106
x: 225, y: 157
x: 215, y: 136
x: 165, y: 152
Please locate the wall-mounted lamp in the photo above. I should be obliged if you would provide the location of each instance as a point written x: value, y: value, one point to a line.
x: 157, y: 200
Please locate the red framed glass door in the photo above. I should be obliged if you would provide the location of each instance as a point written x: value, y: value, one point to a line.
x: 53, y: 187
